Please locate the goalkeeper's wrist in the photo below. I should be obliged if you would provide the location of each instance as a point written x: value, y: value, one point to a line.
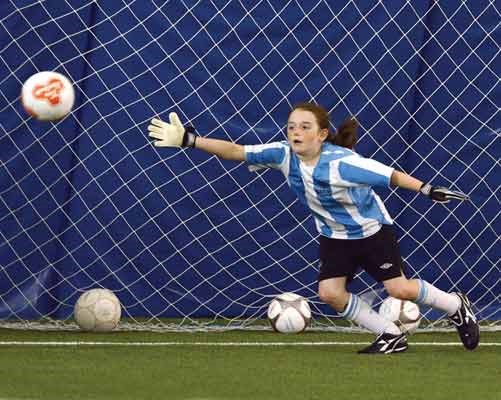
x: 189, y: 137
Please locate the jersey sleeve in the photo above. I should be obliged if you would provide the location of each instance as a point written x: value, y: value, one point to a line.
x: 365, y: 171
x: 269, y: 155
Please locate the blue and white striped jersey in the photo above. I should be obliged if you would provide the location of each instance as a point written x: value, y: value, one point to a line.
x: 337, y: 190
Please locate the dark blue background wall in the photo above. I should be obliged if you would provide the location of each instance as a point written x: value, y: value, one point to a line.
x: 89, y: 201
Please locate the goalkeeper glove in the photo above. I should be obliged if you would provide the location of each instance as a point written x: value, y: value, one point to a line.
x: 172, y: 134
x: 441, y: 194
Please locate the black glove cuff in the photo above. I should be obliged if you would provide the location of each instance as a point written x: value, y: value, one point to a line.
x: 189, y: 137
x: 426, y: 189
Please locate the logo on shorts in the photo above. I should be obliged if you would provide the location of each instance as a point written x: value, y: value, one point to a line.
x: 386, y: 266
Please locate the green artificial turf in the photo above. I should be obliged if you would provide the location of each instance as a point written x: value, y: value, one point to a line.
x: 252, y: 371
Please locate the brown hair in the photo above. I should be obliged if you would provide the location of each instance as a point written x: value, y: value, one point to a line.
x: 346, y: 134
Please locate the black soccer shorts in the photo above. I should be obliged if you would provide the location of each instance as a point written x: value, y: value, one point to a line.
x: 378, y: 254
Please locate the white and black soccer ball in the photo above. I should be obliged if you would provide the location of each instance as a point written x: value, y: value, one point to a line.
x: 97, y: 310
x: 404, y: 313
x: 289, y: 313
x: 47, y: 96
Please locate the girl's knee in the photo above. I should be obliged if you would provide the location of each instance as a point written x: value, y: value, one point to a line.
x: 336, y: 298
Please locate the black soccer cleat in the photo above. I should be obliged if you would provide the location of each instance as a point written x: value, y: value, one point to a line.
x: 386, y: 343
x: 466, y: 323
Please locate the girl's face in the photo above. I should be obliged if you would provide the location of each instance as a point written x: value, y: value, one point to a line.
x: 304, y: 135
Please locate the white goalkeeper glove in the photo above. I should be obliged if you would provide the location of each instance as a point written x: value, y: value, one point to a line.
x: 441, y: 194
x: 172, y: 134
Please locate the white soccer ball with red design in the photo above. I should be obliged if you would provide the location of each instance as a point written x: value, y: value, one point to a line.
x: 289, y: 313
x: 97, y: 310
x: 405, y: 314
x: 48, y: 96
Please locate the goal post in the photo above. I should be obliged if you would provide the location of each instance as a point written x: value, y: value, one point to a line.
x: 188, y: 241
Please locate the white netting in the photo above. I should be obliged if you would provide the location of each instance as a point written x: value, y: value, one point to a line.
x: 89, y: 202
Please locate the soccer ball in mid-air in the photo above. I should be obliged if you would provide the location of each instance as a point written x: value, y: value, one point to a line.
x: 97, y: 310
x: 404, y: 313
x: 289, y: 313
x: 47, y: 96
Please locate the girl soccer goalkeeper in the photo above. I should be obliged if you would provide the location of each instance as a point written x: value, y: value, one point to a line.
x: 355, y: 229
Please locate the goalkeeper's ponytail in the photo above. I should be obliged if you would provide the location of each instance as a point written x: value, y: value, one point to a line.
x: 346, y: 135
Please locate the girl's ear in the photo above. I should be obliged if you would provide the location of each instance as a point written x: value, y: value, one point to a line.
x: 324, y: 133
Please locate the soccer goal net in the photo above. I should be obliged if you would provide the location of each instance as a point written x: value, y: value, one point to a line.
x: 187, y: 241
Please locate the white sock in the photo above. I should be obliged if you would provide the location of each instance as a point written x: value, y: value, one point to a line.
x: 360, y: 312
x: 431, y: 296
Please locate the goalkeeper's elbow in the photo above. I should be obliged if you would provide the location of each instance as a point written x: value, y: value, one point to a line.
x: 234, y: 152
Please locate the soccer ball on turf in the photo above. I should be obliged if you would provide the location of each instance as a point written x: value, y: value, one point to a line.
x: 47, y: 96
x: 97, y: 310
x: 405, y: 314
x: 289, y: 313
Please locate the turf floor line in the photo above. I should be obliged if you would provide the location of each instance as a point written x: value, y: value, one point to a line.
x: 218, y: 344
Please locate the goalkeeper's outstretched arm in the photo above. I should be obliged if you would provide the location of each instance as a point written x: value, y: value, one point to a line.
x: 174, y: 134
x: 404, y: 181
x: 438, y: 194
x: 221, y: 148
